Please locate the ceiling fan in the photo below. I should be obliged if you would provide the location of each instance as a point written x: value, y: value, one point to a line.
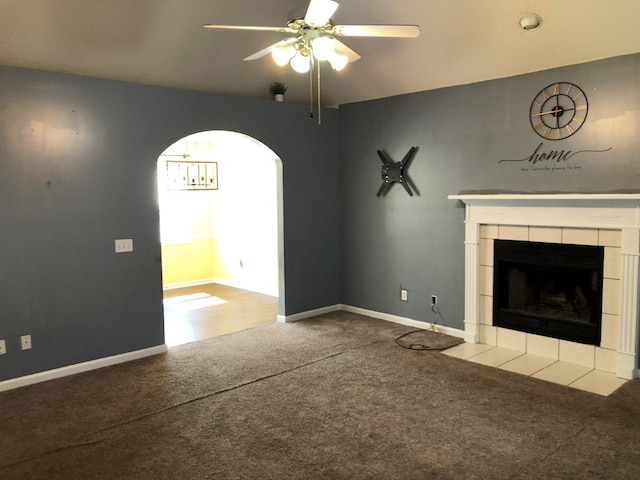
x: 313, y: 39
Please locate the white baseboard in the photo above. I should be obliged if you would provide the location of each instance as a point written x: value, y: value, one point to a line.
x: 191, y: 283
x: 220, y: 281
x: 245, y: 286
x: 309, y: 313
x: 79, y: 368
x: 454, y: 332
x: 129, y: 356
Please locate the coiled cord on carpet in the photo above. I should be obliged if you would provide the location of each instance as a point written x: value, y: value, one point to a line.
x: 432, y: 328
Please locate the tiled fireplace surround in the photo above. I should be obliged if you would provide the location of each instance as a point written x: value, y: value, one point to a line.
x: 609, y: 220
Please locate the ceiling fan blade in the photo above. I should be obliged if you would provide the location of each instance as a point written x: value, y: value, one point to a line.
x: 342, y: 48
x: 266, y: 51
x: 406, y: 31
x: 320, y: 11
x: 247, y: 27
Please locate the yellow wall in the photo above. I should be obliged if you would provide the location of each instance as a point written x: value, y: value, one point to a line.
x: 187, y: 263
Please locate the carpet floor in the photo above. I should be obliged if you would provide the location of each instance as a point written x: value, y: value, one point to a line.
x: 333, y: 397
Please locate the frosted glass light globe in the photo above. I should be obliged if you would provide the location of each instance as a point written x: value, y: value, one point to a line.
x: 338, y: 61
x: 282, y: 54
x: 300, y: 63
x: 323, y: 48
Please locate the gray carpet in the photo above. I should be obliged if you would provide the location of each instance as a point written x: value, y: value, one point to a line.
x: 332, y: 397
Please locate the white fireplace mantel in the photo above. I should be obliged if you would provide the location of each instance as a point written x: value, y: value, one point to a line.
x: 562, y: 210
x: 591, y: 211
x: 548, y: 197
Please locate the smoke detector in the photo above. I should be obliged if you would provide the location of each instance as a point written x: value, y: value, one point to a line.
x: 530, y: 21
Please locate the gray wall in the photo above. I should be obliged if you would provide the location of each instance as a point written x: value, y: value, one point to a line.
x: 462, y: 134
x: 78, y: 170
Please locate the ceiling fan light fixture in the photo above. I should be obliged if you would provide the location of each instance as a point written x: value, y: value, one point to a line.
x: 282, y: 54
x: 300, y: 63
x: 323, y: 48
x: 338, y: 61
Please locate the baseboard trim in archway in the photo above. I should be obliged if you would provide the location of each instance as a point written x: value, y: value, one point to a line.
x: 309, y: 313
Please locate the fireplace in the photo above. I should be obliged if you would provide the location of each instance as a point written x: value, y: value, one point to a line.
x: 611, y: 221
x: 549, y: 289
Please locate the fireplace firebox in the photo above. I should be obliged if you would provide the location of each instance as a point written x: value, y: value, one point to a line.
x: 549, y: 289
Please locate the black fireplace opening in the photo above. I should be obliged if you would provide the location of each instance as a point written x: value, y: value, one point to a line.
x: 549, y: 289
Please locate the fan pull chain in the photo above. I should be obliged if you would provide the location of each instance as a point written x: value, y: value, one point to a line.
x: 310, y: 94
x: 319, y: 112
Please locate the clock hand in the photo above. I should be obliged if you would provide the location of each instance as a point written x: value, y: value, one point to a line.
x: 555, y: 110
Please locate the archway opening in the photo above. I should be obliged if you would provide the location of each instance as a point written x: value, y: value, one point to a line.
x: 220, y: 201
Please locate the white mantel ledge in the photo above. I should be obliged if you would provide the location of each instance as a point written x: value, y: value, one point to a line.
x: 579, y: 210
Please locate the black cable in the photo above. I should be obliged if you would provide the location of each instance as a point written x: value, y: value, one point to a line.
x: 436, y: 310
x: 419, y: 346
x: 414, y: 346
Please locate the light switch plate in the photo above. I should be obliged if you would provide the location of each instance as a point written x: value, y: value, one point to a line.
x: 3, y: 347
x: 124, y: 245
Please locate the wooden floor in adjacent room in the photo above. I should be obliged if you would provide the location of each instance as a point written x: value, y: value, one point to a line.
x: 204, y: 311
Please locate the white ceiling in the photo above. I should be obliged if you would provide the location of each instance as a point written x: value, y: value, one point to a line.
x: 162, y: 42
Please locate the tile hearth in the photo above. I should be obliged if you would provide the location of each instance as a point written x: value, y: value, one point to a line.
x: 608, y: 221
x: 563, y: 373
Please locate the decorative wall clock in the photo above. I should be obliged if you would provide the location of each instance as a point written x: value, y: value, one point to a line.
x: 558, y: 111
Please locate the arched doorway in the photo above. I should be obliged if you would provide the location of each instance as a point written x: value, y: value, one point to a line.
x: 220, y: 201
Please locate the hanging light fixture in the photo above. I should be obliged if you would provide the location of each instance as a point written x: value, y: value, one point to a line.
x: 314, y: 39
x: 323, y: 48
x: 338, y: 60
x: 298, y: 54
x: 305, y: 53
x: 300, y: 62
x: 282, y: 54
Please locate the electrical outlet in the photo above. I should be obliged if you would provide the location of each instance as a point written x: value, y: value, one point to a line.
x: 434, y: 300
x: 25, y: 342
x: 3, y: 347
x: 403, y: 294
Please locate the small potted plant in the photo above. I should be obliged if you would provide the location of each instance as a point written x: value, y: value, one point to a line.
x: 277, y: 90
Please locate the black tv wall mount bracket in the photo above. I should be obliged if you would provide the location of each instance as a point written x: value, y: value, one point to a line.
x: 395, y: 172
